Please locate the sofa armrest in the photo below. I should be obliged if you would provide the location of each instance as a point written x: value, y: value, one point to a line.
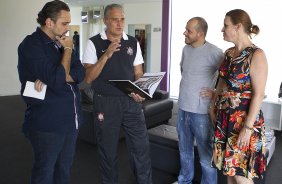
x: 160, y: 94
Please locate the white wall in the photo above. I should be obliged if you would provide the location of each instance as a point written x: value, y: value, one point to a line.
x: 147, y: 13
x: 75, y: 16
x: 76, y: 20
x: 17, y: 19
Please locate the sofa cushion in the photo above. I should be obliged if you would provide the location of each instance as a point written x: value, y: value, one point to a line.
x: 157, y: 110
x: 154, y: 106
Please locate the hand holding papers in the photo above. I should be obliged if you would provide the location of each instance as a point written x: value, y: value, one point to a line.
x: 145, y: 86
x: 31, y: 92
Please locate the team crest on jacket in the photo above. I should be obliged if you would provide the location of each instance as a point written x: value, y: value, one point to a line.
x: 129, y: 51
x: 101, y: 116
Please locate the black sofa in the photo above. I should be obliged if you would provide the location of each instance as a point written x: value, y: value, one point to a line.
x: 157, y: 111
x: 165, y: 154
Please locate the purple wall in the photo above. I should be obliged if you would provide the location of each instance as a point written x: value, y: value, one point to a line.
x: 165, y: 49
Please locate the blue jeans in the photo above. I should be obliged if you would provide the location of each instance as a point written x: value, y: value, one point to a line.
x: 191, y: 126
x: 52, y: 156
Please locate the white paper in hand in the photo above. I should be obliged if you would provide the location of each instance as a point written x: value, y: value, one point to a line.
x: 31, y: 92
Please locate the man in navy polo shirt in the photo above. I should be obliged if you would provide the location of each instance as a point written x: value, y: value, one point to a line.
x: 51, y: 125
x: 114, y: 55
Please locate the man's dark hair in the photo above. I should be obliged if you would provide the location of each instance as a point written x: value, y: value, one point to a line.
x: 51, y: 10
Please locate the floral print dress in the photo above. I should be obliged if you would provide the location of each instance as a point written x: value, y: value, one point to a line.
x: 232, y: 108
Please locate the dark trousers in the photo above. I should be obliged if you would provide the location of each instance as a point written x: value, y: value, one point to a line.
x: 110, y: 114
x: 52, y: 156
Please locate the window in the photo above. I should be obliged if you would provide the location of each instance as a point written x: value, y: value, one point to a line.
x: 265, y: 14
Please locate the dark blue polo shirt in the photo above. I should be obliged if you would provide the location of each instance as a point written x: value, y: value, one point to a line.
x: 120, y: 66
x: 60, y: 111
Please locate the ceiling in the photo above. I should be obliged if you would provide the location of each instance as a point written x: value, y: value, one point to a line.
x: 84, y: 3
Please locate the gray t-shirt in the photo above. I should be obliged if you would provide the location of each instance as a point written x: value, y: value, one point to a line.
x: 199, y: 67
